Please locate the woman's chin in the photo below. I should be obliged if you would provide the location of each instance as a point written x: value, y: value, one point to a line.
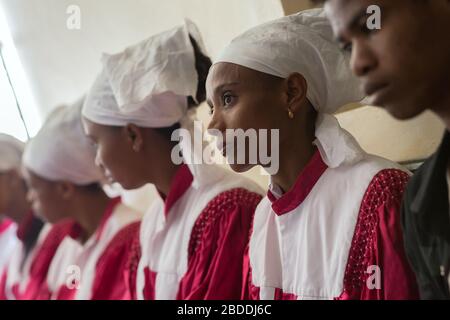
x: 241, y: 168
x: 131, y: 185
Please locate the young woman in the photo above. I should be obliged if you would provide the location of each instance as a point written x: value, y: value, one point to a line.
x: 329, y: 225
x: 194, y: 235
x: 64, y: 183
x: 31, y: 244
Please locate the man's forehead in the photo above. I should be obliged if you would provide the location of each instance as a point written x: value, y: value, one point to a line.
x: 342, y: 13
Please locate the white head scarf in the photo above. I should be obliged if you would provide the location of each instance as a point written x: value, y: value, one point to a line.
x: 11, y: 151
x: 60, y: 151
x: 147, y: 84
x: 304, y: 43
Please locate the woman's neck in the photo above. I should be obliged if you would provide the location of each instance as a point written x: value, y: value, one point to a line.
x: 297, y: 150
x: 292, y: 162
x: 164, y: 180
x: 89, y: 211
x: 20, y: 207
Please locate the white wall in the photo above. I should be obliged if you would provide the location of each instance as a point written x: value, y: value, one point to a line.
x: 401, y: 141
x: 61, y: 64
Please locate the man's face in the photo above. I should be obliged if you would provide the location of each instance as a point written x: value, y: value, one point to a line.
x: 405, y: 65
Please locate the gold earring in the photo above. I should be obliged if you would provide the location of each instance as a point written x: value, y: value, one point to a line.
x: 290, y: 114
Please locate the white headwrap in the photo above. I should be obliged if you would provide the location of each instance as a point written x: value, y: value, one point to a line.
x: 304, y: 43
x: 11, y: 151
x: 60, y: 151
x: 147, y: 84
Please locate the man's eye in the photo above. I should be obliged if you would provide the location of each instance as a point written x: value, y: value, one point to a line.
x: 365, y: 29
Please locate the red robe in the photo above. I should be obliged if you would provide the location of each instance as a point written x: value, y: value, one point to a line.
x: 116, y: 268
x: 377, y: 239
x: 108, y: 243
x: 193, y: 241
x: 25, y: 282
x: 8, y: 240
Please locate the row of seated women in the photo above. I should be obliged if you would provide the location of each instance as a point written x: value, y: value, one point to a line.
x: 327, y: 227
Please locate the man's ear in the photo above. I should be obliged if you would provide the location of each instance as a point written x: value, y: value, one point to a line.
x: 134, y: 136
x: 65, y: 189
x: 296, y: 91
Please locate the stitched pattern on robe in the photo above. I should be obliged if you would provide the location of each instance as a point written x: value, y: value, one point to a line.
x: 222, y: 203
x: 387, y: 185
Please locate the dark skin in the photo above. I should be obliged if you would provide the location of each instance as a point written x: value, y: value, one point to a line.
x: 405, y: 66
x: 13, y: 196
x: 133, y: 156
x: 241, y: 98
x: 58, y: 200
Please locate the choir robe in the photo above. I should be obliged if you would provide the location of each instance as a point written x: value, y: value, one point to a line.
x: 22, y: 278
x: 8, y: 240
x: 73, y: 269
x: 113, y: 277
x: 321, y: 239
x: 193, y: 240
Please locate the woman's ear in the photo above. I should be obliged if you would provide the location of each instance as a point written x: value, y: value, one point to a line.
x: 296, y: 91
x: 134, y: 137
x: 65, y: 189
x: 14, y: 178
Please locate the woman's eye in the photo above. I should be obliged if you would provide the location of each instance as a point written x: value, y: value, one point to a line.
x: 93, y: 143
x: 228, y: 100
x: 211, y: 110
x: 347, y: 47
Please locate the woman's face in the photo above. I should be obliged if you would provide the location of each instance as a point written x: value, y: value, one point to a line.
x: 46, y: 197
x: 5, y: 192
x: 12, y: 189
x: 117, y: 154
x: 241, y: 98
